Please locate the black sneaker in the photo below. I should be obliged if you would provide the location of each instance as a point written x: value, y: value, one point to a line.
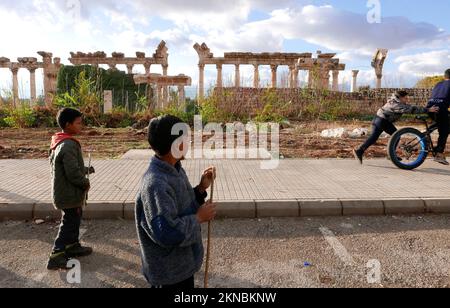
x: 57, y: 261
x: 76, y: 251
x: 358, y: 156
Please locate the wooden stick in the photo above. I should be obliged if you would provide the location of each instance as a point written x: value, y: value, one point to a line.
x: 88, y: 176
x: 208, y: 247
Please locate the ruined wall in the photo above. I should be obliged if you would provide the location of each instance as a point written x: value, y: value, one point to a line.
x: 295, y: 102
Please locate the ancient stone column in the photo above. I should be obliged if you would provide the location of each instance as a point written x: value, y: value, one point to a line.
x: 159, y: 97
x: 237, y: 76
x: 310, y: 79
x: 147, y: 67
x: 378, y: 63
x: 274, y: 68
x: 219, y: 76
x: 324, y: 79
x: 33, y: 85
x: 296, y: 71
x: 130, y: 69
x: 181, y: 96
x: 15, y: 72
x: 165, y: 89
x: 47, y: 60
x: 379, y: 79
x: 201, y: 81
x: 292, y: 79
x: 256, y: 76
x: 335, y: 86
x: 354, y: 87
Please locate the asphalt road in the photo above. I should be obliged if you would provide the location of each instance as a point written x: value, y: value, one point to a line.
x: 318, y: 252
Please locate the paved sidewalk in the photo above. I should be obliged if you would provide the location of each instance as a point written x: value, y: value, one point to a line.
x: 296, y: 187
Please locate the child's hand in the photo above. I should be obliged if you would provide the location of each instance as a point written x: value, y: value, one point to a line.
x: 207, y: 212
x: 207, y: 178
x: 434, y: 109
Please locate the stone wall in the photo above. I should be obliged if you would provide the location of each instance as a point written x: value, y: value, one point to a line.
x: 294, y: 102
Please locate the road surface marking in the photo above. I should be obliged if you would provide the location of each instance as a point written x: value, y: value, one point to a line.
x: 337, y: 246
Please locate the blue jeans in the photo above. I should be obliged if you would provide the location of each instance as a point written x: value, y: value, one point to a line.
x: 442, y: 122
x: 379, y: 125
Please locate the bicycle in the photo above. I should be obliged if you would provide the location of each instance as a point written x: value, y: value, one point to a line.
x: 408, y: 148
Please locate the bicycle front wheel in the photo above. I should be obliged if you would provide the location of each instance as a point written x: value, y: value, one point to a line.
x: 408, y: 148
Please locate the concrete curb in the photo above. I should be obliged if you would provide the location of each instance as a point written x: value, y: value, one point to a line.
x: 277, y: 208
x: 311, y: 208
x: 437, y: 206
x: 16, y: 211
x: 246, y: 208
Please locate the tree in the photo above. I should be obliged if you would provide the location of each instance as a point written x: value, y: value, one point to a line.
x: 429, y: 82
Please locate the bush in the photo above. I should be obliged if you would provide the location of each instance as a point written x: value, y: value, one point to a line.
x: 185, y: 112
x: 85, y: 96
x: 3, y: 114
x: 274, y: 108
x: 20, y: 117
x: 122, y: 84
x: 118, y: 118
x: 44, y: 116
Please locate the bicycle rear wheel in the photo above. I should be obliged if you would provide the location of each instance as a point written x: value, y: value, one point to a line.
x: 408, y: 148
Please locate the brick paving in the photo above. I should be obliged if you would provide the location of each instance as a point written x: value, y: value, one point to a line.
x: 28, y: 181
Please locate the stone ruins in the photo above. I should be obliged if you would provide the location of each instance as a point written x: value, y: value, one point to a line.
x: 50, y: 68
x: 162, y: 82
x: 378, y: 63
x: 319, y: 68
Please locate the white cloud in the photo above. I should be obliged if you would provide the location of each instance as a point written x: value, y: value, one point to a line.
x: 424, y: 64
x: 345, y: 31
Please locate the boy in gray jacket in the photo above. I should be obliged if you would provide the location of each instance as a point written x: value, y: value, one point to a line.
x: 384, y: 121
x: 169, y: 211
x: 69, y: 188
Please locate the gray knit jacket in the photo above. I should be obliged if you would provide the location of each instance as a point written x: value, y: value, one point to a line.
x: 394, y: 109
x: 169, y: 233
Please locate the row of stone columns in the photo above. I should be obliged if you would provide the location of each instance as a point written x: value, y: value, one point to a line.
x: 15, y: 78
x: 322, y: 82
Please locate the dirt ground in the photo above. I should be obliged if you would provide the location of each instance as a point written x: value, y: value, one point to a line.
x: 301, y: 140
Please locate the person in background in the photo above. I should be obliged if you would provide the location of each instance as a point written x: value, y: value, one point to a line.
x: 386, y: 116
x: 440, y: 98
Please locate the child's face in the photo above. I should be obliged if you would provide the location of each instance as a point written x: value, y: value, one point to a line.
x: 404, y: 99
x: 75, y: 127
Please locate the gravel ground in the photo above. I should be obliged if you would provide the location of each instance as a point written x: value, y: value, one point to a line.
x: 317, y: 252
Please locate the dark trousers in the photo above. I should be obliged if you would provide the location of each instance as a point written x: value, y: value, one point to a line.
x: 442, y: 123
x: 184, y: 285
x: 379, y: 125
x: 69, y: 230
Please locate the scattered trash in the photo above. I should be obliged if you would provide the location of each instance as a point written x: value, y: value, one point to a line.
x: 325, y: 279
x: 358, y: 133
x: 334, y: 133
x: 39, y: 221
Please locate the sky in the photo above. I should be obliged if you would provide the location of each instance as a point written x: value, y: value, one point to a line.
x: 416, y: 32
